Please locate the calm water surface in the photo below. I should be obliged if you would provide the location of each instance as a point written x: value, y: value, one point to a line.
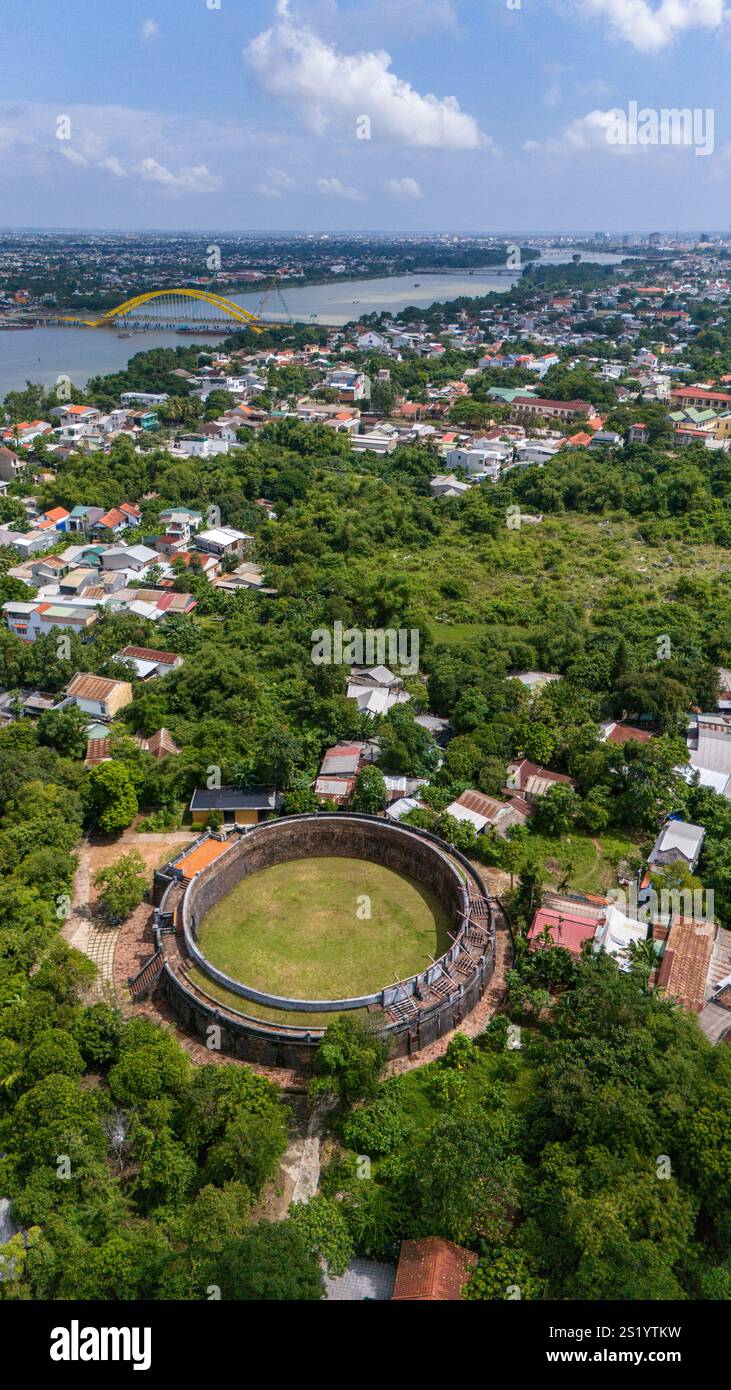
x: 44, y: 354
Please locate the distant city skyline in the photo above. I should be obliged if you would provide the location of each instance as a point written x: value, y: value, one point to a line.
x: 285, y: 116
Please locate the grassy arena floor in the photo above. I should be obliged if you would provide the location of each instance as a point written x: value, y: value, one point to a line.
x: 293, y: 929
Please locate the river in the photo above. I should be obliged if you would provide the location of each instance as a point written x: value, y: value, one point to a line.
x: 44, y: 354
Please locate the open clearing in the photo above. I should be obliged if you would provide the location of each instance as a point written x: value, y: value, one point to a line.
x: 301, y: 929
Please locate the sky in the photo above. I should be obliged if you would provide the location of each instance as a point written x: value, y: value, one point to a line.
x: 377, y: 115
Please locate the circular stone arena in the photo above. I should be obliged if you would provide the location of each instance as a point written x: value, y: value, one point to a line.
x: 324, y: 928
x: 309, y: 916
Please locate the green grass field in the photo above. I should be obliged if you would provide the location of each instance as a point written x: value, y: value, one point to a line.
x: 294, y: 929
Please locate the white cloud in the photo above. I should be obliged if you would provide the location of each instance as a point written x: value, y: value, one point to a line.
x: 73, y: 156
x: 112, y: 165
x: 649, y: 26
x: 606, y: 132
x: 150, y: 30
x: 585, y: 134
x: 333, y: 188
x: 329, y: 90
x: 172, y: 153
x: 277, y: 183
x: 403, y: 188
x: 195, y: 179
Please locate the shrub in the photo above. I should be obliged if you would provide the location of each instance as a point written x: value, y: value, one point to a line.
x: 374, y: 1129
x: 460, y: 1053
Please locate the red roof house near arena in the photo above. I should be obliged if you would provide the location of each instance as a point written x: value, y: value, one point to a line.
x: 566, y: 929
x: 432, y: 1270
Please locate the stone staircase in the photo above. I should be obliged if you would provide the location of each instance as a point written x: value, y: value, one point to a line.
x: 146, y: 979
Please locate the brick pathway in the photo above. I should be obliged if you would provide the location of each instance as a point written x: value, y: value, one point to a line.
x: 135, y: 945
x: 86, y: 933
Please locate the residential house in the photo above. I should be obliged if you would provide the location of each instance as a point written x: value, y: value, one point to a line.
x: 616, y: 731
x: 10, y: 465
x: 247, y: 575
x: 478, y: 464
x: 679, y: 842
x: 713, y: 749
x: 15, y: 704
x: 222, y: 541
x: 97, y: 696
x: 553, y: 926
x: 29, y: 620
x: 534, y: 680
x: 139, y: 398
x: 83, y: 518
x: 25, y: 433
x: 236, y: 807
x: 181, y: 524
x: 432, y: 1270
x: 350, y: 385
x: 381, y: 440
x: 448, y: 485
x: 606, y: 439
x: 615, y: 934
x: 56, y: 519
x: 376, y: 690
x: 47, y: 571
x: 135, y: 559
x: 27, y: 544
x: 398, y: 809
x: 143, y: 420
x: 531, y: 781
x: 686, y: 962
x: 486, y: 812
x: 117, y: 520
x: 153, y: 604
x: 160, y: 744
x: 149, y: 662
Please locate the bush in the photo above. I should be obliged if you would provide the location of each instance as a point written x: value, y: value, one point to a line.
x: 159, y: 822
x: 447, y: 1087
x: 495, y: 1036
x: 374, y: 1129
x: 460, y: 1053
x: 122, y: 886
x: 97, y: 1032
x: 348, y: 1061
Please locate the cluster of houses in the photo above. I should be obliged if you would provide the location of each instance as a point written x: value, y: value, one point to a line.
x: 106, y: 567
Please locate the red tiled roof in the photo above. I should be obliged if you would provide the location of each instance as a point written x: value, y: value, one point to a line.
x: 624, y: 733
x: 150, y: 654
x: 432, y: 1270
x: 686, y: 962
x: 566, y: 930
x: 97, y: 751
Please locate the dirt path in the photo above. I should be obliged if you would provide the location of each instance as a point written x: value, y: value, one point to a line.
x: 299, y: 1170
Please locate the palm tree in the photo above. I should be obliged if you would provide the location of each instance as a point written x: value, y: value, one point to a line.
x: 568, y: 872
x: 643, y: 957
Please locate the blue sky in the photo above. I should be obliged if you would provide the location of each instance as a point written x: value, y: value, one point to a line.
x: 480, y: 115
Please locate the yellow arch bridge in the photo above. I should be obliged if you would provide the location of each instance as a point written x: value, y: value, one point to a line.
x: 174, y: 308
